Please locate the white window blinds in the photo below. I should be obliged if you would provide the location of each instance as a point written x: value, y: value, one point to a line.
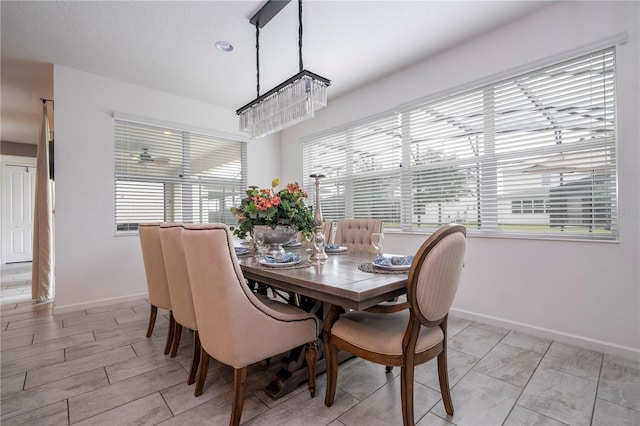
x: 533, y: 155
x: 166, y: 174
x: 362, y: 167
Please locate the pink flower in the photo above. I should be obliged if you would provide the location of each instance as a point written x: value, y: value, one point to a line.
x: 293, y: 188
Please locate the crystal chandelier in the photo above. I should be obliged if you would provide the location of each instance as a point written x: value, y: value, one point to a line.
x: 292, y: 101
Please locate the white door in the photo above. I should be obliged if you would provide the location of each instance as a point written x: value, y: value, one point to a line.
x: 18, y: 190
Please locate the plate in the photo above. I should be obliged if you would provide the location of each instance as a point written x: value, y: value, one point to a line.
x: 336, y: 250
x: 292, y: 244
x: 281, y: 264
x: 393, y: 267
x: 241, y: 250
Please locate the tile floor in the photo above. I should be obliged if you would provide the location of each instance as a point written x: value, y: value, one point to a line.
x: 96, y: 367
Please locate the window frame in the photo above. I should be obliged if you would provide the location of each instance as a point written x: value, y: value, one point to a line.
x: 530, y: 205
x: 184, y: 179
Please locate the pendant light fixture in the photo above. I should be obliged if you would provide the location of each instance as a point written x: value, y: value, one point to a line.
x: 292, y: 101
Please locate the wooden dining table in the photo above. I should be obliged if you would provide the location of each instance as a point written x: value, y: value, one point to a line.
x: 335, y: 281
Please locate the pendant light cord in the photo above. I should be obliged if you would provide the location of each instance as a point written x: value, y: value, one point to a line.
x: 300, y: 34
x: 257, y: 60
x: 258, y: 48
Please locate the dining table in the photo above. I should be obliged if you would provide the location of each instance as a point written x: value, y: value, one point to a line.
x: 344, y: 279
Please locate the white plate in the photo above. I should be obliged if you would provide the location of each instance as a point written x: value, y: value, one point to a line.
x: 281, y: 264
x: 292, y: 244
x: 393, y: 267
x: 336, y: 250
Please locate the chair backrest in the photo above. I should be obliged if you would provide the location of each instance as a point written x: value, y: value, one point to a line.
x: 154, y: 265
x: 356, y: 234
x: 326, y: 229
x: 177, y: 276
x: 435, y: 274
x: 234, y: 326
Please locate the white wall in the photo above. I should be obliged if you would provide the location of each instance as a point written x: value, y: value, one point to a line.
x: 94, y: 267
x: 586, y: 293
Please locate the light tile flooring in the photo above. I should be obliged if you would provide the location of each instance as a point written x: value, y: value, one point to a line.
x: 96, y: 367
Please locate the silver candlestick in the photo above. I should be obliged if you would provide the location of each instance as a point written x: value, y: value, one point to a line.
x: 319, y: 240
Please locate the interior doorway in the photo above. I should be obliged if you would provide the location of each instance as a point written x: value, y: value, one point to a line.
x: 18, y: 190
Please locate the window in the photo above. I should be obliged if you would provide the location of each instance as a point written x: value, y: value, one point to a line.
x: 164, y: 174
x: 533, y: 155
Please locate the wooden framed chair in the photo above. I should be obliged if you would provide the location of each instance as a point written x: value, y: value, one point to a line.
x: 234, y: 325
x: 180, y: 292
x: 356, y: 234
x: 406, y: 334
x: 155, y: 272
x: 327, y: 229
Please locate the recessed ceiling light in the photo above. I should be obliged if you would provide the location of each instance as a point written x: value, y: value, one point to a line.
x: 224, y: 46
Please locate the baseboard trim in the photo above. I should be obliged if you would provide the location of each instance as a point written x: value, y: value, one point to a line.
x: 545, y: 333
x: 98, y: 303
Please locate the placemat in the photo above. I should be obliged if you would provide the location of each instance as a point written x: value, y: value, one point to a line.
x: 368, y: 267
x: 303, y: 264
x: 348, y: 251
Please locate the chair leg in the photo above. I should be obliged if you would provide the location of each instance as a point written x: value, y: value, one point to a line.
x: 195, y: 358
x: 172, y: 322
x: 202, y: 372
x: 388, y: 369
x: 443, y: 377
x: 239, y: 386
x: 153, y: 312
x: 311, y: 356
x: 331, y: 359
x: 406, y: 394
x: 176, y: 339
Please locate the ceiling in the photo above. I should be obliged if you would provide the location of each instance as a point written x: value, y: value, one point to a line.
x: 169, y: 45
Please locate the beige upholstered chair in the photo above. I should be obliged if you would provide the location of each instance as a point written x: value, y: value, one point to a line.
x: 326, y: 229
x: 180, y: 292
x: 235, y: 326
x: 356, y: 234
x: 156, y: 277
x: 405, y: 334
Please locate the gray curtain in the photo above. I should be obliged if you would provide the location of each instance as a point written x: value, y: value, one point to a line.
x: 42, y: 266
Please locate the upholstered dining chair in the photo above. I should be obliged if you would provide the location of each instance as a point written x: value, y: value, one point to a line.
x: 156, y: 275
x: 356, y: 234
x: 327, y: 229
x: 236, y: 327
x: 180, y: 291
x: 409, y: 333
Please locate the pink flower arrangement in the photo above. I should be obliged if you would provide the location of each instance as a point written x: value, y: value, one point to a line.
x: 269, y: 207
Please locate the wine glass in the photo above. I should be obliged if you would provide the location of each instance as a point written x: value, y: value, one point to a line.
x: 308, y: 240
x: 334, y: 231
x: 258, y: 239
x: 377, y: 238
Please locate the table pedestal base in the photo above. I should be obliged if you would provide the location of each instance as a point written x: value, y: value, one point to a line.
x: 286, y: 381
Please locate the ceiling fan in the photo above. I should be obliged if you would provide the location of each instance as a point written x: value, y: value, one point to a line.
x: 144, y: 157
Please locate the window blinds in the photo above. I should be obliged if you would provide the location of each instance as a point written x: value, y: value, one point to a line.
x: 166, y: 174
x: 532, y: 155
x: 362, y: 167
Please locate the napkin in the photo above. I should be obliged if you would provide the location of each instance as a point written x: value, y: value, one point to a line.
x: 288, y: 257
x: 393, y: 260
x: 241, y: 250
